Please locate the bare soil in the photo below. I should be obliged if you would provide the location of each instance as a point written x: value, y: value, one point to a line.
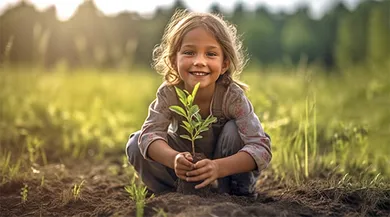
x: 103, y: 194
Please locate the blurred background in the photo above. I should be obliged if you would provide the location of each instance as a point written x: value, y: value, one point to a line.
x: 112, y: 34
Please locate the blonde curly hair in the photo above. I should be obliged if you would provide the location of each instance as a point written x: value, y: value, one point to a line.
x: 180, y: 24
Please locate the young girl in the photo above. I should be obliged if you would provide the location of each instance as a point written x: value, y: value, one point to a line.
x: 201, y: 47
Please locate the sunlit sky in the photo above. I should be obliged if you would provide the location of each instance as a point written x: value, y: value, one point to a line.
x: 65, y: 8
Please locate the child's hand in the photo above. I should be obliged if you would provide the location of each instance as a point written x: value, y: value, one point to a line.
x: 183, y: 164
x: 207, y: 170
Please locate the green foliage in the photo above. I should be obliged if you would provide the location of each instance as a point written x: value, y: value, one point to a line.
x: 9, y: 170
x: 24, y: 193
x: 378, y: 41
x: 298, y: 38
x: 76, y: 190
x: 160, y: 212
x: 137, y: 193
x: 339, y: 38
x: 68, y: 115
x: 304, y: 113
x: 193, y: 123
x: 320, y: 125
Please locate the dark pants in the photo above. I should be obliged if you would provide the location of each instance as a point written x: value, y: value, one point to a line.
x: 159, y: 178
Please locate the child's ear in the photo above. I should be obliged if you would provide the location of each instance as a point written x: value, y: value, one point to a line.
x: 225, y: 66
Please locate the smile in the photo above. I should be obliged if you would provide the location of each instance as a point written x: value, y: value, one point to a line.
x: 199, y: 73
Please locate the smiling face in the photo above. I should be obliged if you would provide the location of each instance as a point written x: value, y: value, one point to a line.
x: 200, y: 59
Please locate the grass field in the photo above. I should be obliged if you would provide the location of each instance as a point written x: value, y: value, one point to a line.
x: 331, y: 128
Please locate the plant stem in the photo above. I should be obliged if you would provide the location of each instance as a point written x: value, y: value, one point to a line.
x: 193, y: 147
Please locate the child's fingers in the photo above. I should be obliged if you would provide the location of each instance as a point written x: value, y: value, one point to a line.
x: 185, y: 163
x: 198, y: 178
x: 197, y: 172
x: 181, y: 174
x: 183, y: 160
x: 204, y: 183
x: 188, y: 156
x: 201, y: 163
x: 183, y: 167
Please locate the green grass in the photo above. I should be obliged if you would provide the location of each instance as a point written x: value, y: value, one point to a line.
x: 332, y: 124
x: 320, y: 124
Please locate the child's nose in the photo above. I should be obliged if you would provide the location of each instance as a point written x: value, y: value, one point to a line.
x: 199, y: 61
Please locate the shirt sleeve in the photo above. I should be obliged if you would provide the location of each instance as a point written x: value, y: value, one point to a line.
x: 156, y: 124
x: 256, y: 143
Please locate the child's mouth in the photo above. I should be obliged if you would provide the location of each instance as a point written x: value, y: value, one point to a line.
x: 199, y: 73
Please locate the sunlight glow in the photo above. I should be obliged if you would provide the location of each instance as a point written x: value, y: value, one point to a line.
x: 65, y: 9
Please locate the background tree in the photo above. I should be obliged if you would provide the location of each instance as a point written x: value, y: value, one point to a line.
x: 378, y: 35
x: 298, y: 38
x: 90, y: 38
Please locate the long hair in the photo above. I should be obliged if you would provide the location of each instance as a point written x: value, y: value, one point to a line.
x: 180, y: 24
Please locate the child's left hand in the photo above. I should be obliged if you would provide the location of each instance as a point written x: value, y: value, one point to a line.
x: 207, y: 170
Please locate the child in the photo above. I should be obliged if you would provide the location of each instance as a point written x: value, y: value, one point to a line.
x: 201, y: 47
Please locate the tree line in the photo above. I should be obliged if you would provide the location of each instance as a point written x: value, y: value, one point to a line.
x: 340, y: 38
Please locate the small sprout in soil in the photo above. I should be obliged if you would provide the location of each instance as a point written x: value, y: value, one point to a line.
x: 77, y: 189
x: 160, y: 212
x: 24, y: 193
x: 194, y: 124
x: 137, y: 193
x: 42, y: 180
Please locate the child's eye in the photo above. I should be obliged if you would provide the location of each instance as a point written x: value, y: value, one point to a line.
x: 211, y: 54
x: 188, y: 52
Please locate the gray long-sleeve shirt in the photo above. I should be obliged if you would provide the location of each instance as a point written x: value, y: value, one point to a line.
x: 235, y: 106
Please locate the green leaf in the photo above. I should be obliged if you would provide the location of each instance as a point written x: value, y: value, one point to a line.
x: 195, y: 90
x: 188, y: 93
x: 193, y: 123
x: 210, y: 119
x: 189, y: 130
x: 203, y: 129
x: 190, y: 100
x: 193, y: 110
x: 198, y: 137
x: 183, y: 101
x: 179, y: 110
x: 186, y: 137
x: 198, y: 124
x: 198, y: 117
x: 181, y: 94
x: 187, y: 124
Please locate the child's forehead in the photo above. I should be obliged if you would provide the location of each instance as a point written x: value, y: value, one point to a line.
x: 200, y: 37
x: 199, y: 33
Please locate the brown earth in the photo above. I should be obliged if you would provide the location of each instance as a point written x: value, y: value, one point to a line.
x: 103, y: 194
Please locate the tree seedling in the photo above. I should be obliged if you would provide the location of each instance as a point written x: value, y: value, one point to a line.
x: 193, y: 123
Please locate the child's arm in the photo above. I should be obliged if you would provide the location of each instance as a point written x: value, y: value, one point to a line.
x: 161, y: 152
x: 254, y: 155
x: 153, y: 139
x: 229, y: 166
x: 156, y: 124
x: 256, y: 143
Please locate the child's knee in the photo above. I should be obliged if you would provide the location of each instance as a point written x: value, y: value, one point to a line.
x: 132, y: 149
x: 229, y: 135
x: 230, y: 130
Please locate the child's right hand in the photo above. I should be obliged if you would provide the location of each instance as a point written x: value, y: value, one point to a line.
x: 183, y: 164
